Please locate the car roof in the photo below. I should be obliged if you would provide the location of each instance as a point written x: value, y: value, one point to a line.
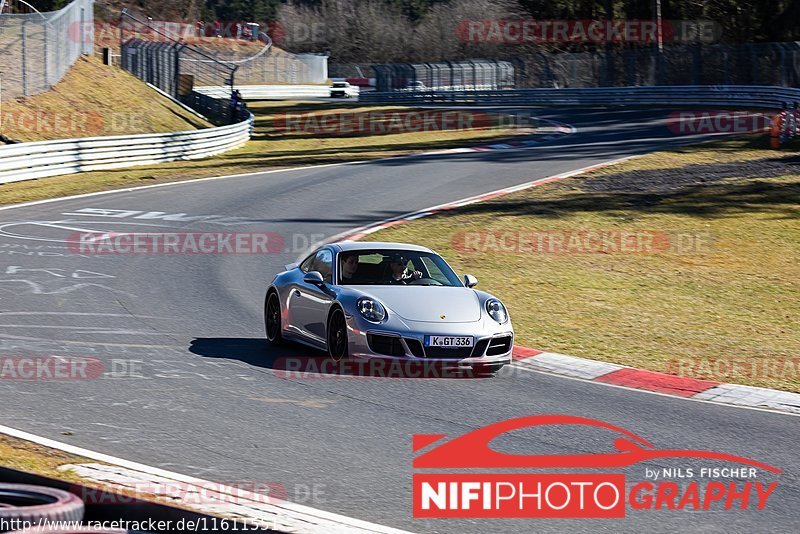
x: 346, y: 246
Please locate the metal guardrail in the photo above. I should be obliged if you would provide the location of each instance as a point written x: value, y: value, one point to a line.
x: 741, y: 96
x: 26, y: 161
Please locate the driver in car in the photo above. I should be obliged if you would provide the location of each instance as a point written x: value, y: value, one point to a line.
x: 398, y: 270
x: 349, y: 269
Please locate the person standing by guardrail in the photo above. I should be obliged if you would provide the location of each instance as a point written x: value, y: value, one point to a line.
x: 235, y: 105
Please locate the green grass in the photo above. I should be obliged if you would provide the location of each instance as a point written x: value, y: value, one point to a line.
x: 733, y: 298
x: 268, y: 149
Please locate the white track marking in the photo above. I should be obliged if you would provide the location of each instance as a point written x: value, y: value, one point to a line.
x: 569, y: 365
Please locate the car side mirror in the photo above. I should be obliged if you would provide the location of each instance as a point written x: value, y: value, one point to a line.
x: 314, y: 278
x: 470, y: 281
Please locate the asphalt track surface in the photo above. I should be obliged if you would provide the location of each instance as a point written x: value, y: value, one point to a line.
x: 205, y: 401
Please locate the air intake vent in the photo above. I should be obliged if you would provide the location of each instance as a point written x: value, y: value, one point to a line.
x: 388, y: 345
x: 415, y: 347
x: 480, y: 348
x: 499, y: 345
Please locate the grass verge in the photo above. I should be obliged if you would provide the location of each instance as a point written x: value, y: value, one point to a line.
x: 93, y: 100
x: 33, y: 458
x: 270, y: 148
x: 715, y: 295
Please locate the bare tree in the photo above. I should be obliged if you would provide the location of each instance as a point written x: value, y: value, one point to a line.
x: 378, y: 31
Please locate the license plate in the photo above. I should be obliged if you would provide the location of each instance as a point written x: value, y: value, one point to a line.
x: 449, y: 341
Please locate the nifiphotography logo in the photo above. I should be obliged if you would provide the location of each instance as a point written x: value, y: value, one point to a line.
x: 576, y: 495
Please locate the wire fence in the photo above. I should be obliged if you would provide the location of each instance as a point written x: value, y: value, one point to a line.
x: 279, y: 66
x: 140, y: 36
x: 699, y: 64
x: 176, y: 67
x: 154, y: 63
x: 37, y: 49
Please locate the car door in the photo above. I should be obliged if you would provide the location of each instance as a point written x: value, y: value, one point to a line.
x: 291, y: 323
x: 310, y: 303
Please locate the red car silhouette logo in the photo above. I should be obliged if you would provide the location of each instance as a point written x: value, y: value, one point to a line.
x: 472, y: 450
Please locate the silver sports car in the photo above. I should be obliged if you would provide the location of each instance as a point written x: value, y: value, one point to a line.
x: 388, y: 300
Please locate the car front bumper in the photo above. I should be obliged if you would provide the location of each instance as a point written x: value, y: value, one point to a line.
x: 492, y: 345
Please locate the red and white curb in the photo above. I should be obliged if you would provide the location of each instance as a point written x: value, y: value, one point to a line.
x: 204, y: 496
x: 629, y: 377
x: 597, y: 371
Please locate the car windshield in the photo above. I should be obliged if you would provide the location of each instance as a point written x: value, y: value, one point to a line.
x: 388, y: 267
x: 340, y: 84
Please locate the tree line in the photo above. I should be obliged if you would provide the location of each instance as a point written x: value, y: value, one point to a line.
x: 431, y: 30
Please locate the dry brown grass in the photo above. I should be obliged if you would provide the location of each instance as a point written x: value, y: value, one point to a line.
x: 92, y: 100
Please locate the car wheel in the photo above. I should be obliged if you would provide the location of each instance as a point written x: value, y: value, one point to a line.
x: 37, y: 504
x: 272, y: 319
x: 337, y: 335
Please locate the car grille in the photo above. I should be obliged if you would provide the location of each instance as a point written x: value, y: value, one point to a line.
x: 392, y: 346
x: 499, y: 345
x: 388, y: 345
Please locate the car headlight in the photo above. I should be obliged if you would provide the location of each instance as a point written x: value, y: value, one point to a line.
x: 496, y: 310
x: 371, y: 310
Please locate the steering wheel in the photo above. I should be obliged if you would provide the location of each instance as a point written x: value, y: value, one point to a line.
x: 424, y: 282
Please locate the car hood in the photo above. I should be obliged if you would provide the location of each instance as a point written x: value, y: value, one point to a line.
x: 429, y: 303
